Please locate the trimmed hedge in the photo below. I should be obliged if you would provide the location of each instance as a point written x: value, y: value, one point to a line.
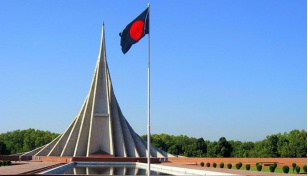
x: 247, y: 167
x: 297, y: 169
x: 238, y: 165
x: 293, y: 166
x: 272, y: 168
x: 305, y: 168
x: 259, y: 167
x: 221, y: 165
x: 285, y: 169
x: 214, y: 165
x: 202, y: 164
x: 5, y: 163
x: 229, y: 166
x: 208, y: 164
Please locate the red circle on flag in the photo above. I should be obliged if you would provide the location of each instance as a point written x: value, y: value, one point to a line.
x: 136, y: 30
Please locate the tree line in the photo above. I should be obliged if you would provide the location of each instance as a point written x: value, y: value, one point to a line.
x: 19, y: 141
x: 292, y: 144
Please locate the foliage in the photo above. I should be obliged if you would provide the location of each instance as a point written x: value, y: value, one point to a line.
x: 285, y: 169
x: 247, y: 166
x: 292, y: 144
x: 208, y: 164
x: 238, y: 166
x: 19, y: 141
x: 272, y: 168
x: 214, y: 165
x: 229, y: 166
x: 221, y: 165
x: 5, y: 163
x: 305, y: 168
x: 293, y: 166
x: 3, y: 149
x: 259, y: 167
x: 202, y: 164
x: 297, y: 169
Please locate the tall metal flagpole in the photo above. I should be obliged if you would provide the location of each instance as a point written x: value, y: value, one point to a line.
x: 149, y: 134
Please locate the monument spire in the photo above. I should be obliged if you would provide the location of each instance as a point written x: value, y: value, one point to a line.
x: 99, y: 127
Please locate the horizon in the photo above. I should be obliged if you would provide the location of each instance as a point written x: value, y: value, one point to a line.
x: 218, y: 69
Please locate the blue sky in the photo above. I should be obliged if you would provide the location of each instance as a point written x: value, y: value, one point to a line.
x: 234, y: 69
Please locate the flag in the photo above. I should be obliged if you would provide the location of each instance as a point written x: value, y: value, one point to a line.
x: 135, y: 30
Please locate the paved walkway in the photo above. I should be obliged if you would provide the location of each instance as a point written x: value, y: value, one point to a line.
x: 23, y: 166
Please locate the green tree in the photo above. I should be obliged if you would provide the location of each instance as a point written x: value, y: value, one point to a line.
x: 272, y: 146
x: 224, y: 147
x: 3, y: 149
x: 212, y: 149
x: 19, y: 141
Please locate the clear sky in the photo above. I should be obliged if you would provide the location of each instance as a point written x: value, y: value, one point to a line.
x: 219, y: 68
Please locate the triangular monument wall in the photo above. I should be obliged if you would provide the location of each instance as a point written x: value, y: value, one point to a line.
x: 99, y: 127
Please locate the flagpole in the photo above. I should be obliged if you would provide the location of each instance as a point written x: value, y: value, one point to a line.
x: 149, y: 122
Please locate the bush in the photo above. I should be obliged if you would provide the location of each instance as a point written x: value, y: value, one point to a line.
x: 275, y: 164
x: 259, y: 167
x: 297, y: 169
x: 241, y: 164
x: 229, y: 165
x: 221, y: 165
x: 305, y: 168
x: 214, y: 165
x: 247, y: 166
x: 8, y: 162
x: 238, y: 166
x: 285, y: 169
x: 257, y: 164
x: 202, y: 164
x: 272, y: 168
x: 0, y: 163
x: 208, y: 164
x: 4, y: 163
x: 293, y: 166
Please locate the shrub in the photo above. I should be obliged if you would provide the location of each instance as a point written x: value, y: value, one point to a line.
x: 4, y: 163
x: 241, y: 164
x: 305, y: 168
x: 214, y: 165
x: 297, y: 169
x: 8, y: 162
x: 257, y: 164
x: 293, y: 166
x: 272, y: 168
x: 221, y: 165
x: 259, y: 167
x: 238, y: 166
x: 229, y: 165
x: 285, y: 169
x: 208, y: 164
x: 0, y: 163
x: 202, y: 164
x: 275, y: 164
x: 247, y: 166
